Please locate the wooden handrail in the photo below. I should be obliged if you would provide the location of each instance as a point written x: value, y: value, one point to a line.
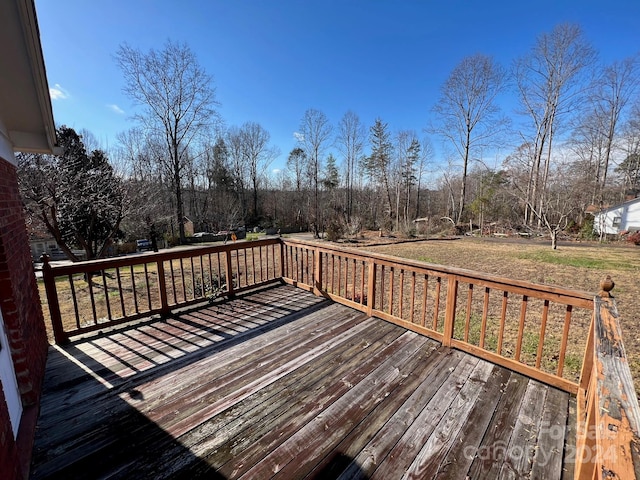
x: 388, y: 274
x: 608, y: 433
x: 161, y: 286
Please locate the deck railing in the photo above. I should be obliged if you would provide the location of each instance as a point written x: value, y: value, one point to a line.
x: 101, y: 293
x: 566, y: 338
x: 608, y: 417
x: 536, y: 330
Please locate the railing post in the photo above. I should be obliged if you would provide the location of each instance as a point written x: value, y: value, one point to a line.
x: 450, y: 310
x: 317, y: 272
x: 52, y: 300
x: 229, y: 270
x: 162, y: 286
x: 371, y: 287
x: 282, y: 247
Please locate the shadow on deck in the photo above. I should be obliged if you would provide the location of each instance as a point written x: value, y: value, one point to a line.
x: 278, y: 383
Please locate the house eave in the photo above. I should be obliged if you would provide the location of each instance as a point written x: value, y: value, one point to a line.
x: 25, y: 103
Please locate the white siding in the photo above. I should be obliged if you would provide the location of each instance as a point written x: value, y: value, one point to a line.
x: 618, y: 219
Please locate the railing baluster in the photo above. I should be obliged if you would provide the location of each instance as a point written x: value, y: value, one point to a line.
x: 353, y: 280
x: 173, y: 283
x: 436, y: 306
x: 413, y: 294
x: 246, y: 268
x: 503, y: 318
x: 210, y: 273
x: 106, y: 294
x: 253, y: 263
x: 133, y: 288
x: 75, y: 301
x: 124, y: 313
x: 362, y: 294
x: 423, y: 321
x: 162, y: 287
x: 184, y: 286
x: 523, y: 315
x: 401, y: 296
x: 317, y: 268
x: 543, y: 327
x: 203, y: 283
x: 339, y: 292
x: 91, y: 297
x: 146, y: 278
x: 450, y: 311
x: 261, y: 266
x: 467, y: 322
x: 565, y: 337
x: 228, y: 272
x: 485, y: 315
x: 238, y: 272
x: 371, y: 288
x: 391, y: 275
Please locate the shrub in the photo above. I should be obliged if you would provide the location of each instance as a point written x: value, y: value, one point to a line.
x: 334, y: 231
x: 586, y: 230
x: 634, y: 238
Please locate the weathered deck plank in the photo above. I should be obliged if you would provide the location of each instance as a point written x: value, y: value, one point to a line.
x: 278, y: 383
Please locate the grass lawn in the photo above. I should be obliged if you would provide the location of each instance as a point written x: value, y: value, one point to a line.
x: 579, y: 266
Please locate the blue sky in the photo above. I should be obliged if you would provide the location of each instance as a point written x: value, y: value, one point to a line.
x: 271, y: 60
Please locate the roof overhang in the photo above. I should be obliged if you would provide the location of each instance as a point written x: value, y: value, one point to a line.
x: 25, y: 104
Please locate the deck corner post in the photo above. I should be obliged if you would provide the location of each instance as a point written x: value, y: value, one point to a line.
x: 371, y: 287
x: 52, y: 300
x: 162, y: 287
x: 450, y: 310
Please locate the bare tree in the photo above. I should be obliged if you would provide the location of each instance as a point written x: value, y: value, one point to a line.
x: 238, y: 165
x: 467, y: 111
x: 177, y: 100
x: 258, y: 154
x: 350, y: 142
x: 615, y: 86
x: 315, y: 131
x: 549, y: 82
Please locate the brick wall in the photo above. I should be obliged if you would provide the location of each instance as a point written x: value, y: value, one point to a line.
x: 22, y: 314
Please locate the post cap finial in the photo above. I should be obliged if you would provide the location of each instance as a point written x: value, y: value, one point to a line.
x: 45, y: 258
x: 606, y: 285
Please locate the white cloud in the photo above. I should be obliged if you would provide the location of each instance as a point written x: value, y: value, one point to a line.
x: 58, y: 93
x: 115, y: 108
x: 298, y: 136
x: 276, y: 170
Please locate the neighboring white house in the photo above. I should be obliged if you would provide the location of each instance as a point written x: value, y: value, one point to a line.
x: 618, y: 218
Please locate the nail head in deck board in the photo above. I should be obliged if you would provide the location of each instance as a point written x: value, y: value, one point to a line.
x: 447, y: 430
x: 313, y: 446
x: 401, y: 456
x: 353, y: 443
x: 500, y: 429
x: 358, y: 395
x: 521, y: 446
x: 552, y: 436
x: 458, y: 459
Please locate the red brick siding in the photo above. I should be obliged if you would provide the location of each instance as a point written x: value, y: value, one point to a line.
x: 21, y: 311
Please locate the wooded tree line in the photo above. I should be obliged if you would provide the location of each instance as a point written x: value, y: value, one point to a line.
x: 566, y: 124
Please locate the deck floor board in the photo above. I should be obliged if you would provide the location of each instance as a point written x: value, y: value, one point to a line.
x: 278, y: 383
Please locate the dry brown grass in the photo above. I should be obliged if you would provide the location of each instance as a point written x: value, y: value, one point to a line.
x: 579, y: 266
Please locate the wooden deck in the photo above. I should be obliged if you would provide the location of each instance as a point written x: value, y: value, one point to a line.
x: 278, y: 383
